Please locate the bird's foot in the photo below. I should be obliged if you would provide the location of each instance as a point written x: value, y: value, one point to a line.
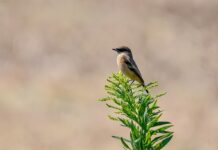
x: 131, y: 82
x: 146, y: 89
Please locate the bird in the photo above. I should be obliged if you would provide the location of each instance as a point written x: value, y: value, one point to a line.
x: 127, y: 65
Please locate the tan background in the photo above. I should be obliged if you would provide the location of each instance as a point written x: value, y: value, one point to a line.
x: 55, y: 56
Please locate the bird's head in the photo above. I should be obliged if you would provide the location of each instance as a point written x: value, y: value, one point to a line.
x: 122, y: 49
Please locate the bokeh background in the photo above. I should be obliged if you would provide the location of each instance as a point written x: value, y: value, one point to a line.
x: 55, y: 56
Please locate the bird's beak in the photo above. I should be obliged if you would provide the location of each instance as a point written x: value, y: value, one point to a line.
x: 114, y: 49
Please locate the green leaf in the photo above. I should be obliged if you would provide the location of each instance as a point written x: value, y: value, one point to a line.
x: 151, y: 85
x: 113, y: 94
x: 116, y: 101
x: 125, y: 122
x: 163, y: 143
x: 112, y: 118
x: 153, y: 121
x: 161, y: 94
x: 137, y: 140
x: 112, y: 82
x: 124, y: 144
x: 158, y: 138
x: 160, y: 123
x: 148, y: 137
x: 119, y: 138
x: 114, y: 107
x: 104, y: 99
x: 162, y: 129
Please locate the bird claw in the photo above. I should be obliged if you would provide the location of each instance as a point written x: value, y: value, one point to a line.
x: 131, y: 82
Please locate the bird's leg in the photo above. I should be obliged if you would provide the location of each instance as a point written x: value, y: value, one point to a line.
x: 146, y: 89
x: 131, y: 82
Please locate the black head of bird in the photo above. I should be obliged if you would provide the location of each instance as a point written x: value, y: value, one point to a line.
x: 122, y: 49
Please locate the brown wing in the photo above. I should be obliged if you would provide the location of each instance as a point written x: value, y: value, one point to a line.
x: 133, y: 67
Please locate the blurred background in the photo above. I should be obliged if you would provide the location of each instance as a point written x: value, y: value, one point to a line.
x: 55, y: 56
